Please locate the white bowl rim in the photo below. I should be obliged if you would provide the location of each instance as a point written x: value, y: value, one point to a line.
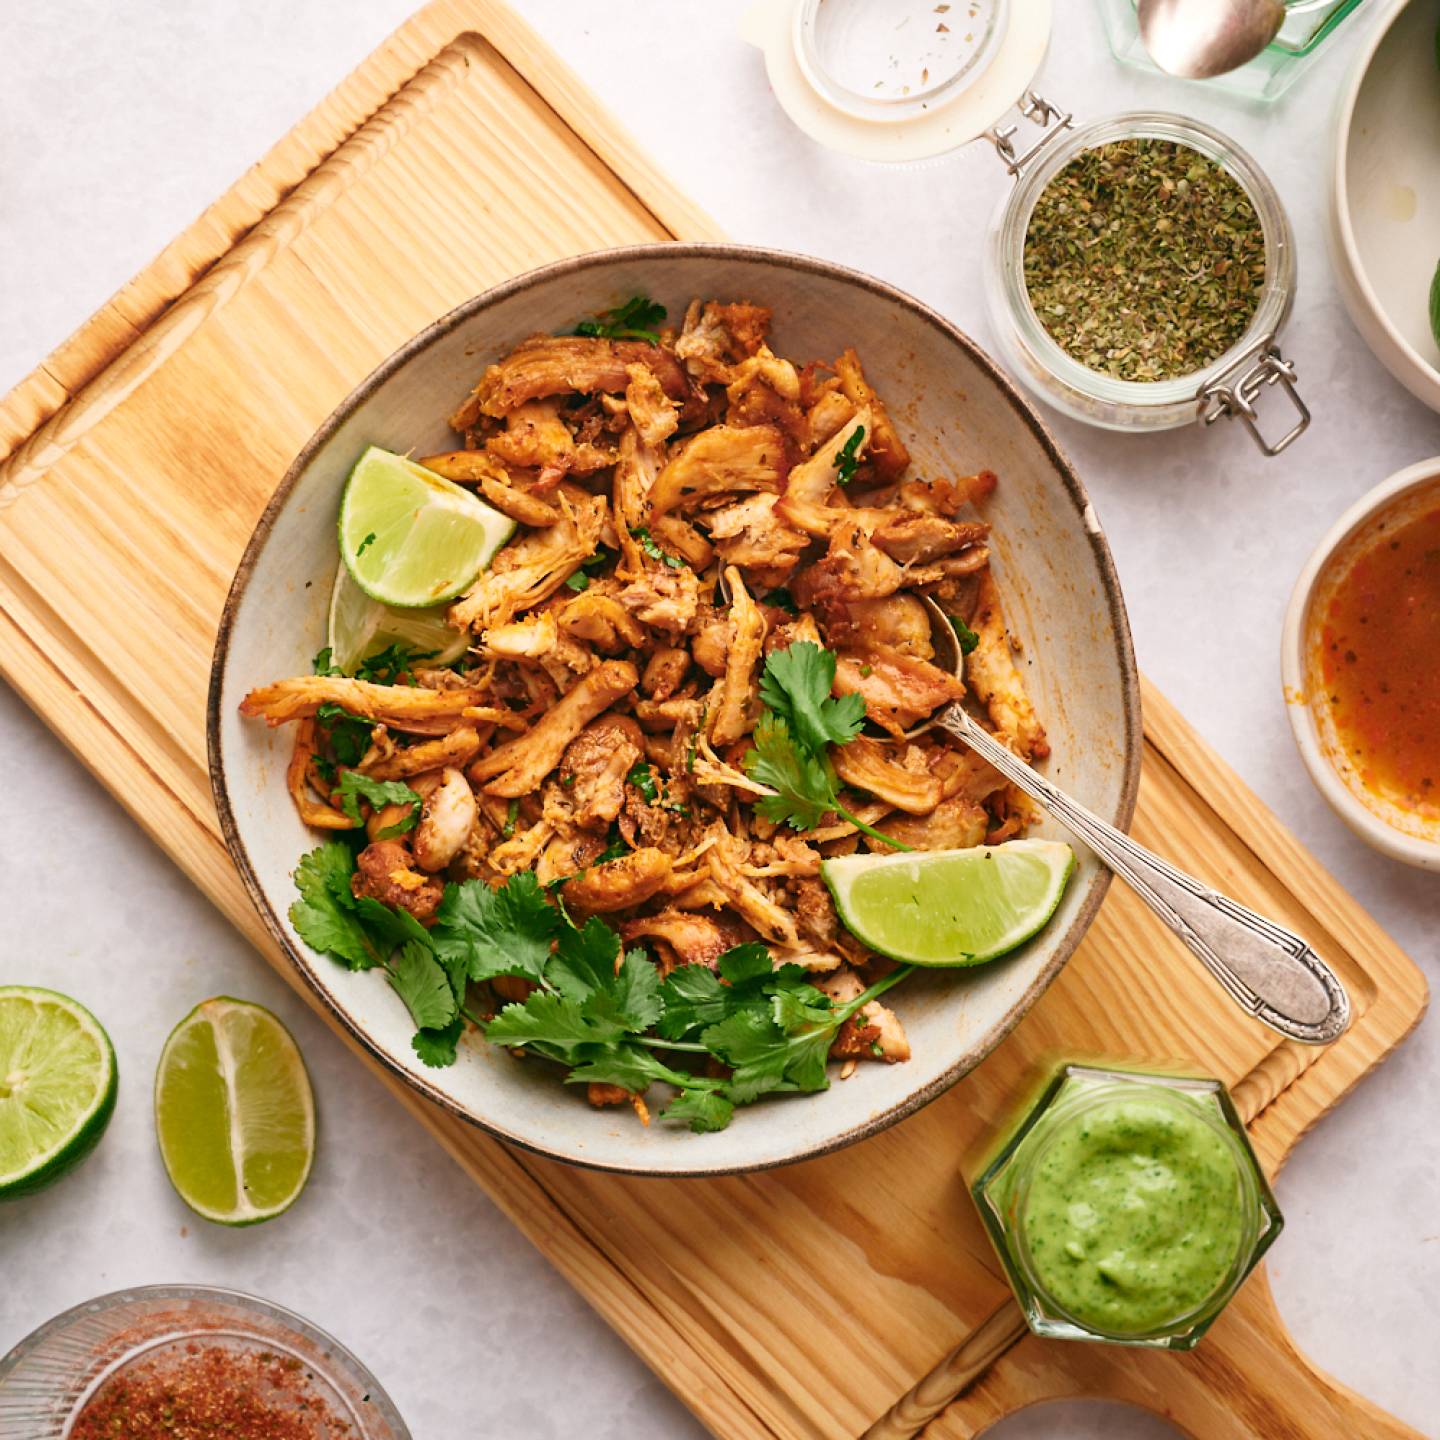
x: 1412, y: 849
x: 1340, y: 202
x: 1094, y: 535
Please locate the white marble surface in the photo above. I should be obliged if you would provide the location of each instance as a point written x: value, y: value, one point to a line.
x: 119, y: 122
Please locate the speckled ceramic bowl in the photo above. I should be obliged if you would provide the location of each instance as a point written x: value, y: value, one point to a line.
x: 959, y: 414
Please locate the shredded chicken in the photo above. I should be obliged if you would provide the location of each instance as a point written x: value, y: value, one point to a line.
x: 686, y: 511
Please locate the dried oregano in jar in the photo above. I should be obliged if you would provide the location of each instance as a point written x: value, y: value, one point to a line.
x: 1144, y: 259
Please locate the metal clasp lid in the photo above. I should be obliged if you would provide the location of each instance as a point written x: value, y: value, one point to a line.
x: 1035, y: 108
x: 1235, y: 392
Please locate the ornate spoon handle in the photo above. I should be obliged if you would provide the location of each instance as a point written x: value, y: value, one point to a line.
x: 1267, y: 970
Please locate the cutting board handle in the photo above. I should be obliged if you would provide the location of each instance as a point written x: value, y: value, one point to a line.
x: 1246, y: 1380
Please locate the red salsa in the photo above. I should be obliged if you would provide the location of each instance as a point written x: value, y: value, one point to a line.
x: 1380, y: 658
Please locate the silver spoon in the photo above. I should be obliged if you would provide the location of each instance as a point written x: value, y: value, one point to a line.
x: 1198, y: 39
x: 1266, y: 969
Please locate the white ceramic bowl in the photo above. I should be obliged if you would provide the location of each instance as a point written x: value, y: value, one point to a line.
x: 1305, y: 701
x: 959, y: 414
x: 1385, y: 195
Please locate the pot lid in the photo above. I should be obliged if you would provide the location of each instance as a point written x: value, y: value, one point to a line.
x: 898, y: 80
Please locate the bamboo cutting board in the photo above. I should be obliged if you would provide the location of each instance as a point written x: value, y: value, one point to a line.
x: 140, y: 454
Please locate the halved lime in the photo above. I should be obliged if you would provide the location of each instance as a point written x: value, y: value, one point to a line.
x: 950, y: 907
x: 57, y: 1087
x: 360, y: 626
x: 233, y: 1113
x: 409, y: 536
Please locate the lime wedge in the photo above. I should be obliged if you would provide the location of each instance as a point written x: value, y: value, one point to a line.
x: 950, y: 907
x: 360, y: 626
x: 233, y: 1113
x: 57, y: 1087
x: 409, y: 536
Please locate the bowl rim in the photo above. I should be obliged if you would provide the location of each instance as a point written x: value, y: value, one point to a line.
x: 1411, y: 849
x: 1085, y: 517
x: 1360, y: 290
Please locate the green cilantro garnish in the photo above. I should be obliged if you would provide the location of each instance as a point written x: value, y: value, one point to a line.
x: 641, y: 778
x: 967, y: 637
x: 849, y: 457
x: 578, y: 581
x: 636, y: 319
x: 600, y: 1013
x: 354, y: 787
x: 365, y: 544
x: 649, y: 545
x: 512, y: 813
x: 801, y: 720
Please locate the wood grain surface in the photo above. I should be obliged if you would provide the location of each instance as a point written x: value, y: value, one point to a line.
x: 137, y: 458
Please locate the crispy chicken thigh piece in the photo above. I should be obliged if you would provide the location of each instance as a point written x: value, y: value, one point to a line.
x: 665, y: 598
x: 447, y: 817
x: 899, y: 690
x: 887, y: 451
x: 754, y: 906
x: 618, y: 884
x: 536, y: 437
x: 565, y: 365
x: 750, y: 534
x: 411, y: 708
x: 994, y: 677
x: 532, y: 568
x: 385, y: 872
x: 867, y: 764
x: 724, y: 458
x: 733, y: 717
x: 457, y: 748
x: 896, y: 622
x: 805, y: 503
x: 953, y: 825
x: 695, y: 939
x: 594, y: 766
x: 652, y: 412
x: 521, y: 764
x: 853, y: 568
x: 716, y: 338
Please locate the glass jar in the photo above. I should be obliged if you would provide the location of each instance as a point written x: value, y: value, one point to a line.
x: 1308, y: 24
x: 1229, y: 383
x: 52, y: 1375
x: 1127, y: 1207
x: 891, y: 81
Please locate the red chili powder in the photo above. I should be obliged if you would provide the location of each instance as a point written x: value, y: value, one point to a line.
x: 206, y: 1391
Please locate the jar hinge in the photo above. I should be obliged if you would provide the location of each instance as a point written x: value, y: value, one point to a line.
x: 1035, y: 108
x: 1235, y: 392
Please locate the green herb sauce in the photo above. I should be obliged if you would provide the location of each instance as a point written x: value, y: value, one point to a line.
x: 1134, y: 1215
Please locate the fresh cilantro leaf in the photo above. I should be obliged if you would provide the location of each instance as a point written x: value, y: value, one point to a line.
x: 636, y: 319
x: 746, y: 962
x: 323, y: 663
x: 796, y: 685
x: 584, y: 960
x: 437, y: 1048
x: 693, y: 998
x: 552, y: 1022
x: 793, y: 1007
x: 804, y: 794
x: 631, y: 998
x: 641, y: 778
x: 349, y: 736
x: 365, y: 544
x: 323, y: 916
x: 577, y: 581
x: 651, y: 547
x: 389, y: 924
x: 617, y: 849
x: 424, y: 987
x: 849, y: 457
x: 632, y: 1067
x: 354, y: 787
x: 766, y: 1058
x: 704, y: 1109
x: 495, y: 932
x: 394, y: 665
x: 967, y: 637
x: 512, y: 813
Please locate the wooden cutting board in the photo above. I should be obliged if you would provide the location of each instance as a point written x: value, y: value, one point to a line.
x: 139, y: 456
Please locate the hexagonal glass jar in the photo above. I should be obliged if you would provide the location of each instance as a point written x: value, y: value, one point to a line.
x: 1066, y: 1112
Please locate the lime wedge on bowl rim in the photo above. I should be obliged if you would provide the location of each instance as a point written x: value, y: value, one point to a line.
x: 234, y: 1113
x: 360, y: 626
x: 58, y: 1080
x: 950, y: 907
x: 410, y: 537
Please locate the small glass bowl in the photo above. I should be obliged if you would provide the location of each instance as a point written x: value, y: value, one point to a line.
x: 1063, y: 381
x: 48, y: 1378
x: 1001, y: 1190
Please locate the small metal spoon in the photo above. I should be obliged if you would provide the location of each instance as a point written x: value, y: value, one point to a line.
x: 1266, y: 969
x: 1198, y: 39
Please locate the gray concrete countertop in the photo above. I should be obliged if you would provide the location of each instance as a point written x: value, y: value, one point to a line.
x: 119, y: 123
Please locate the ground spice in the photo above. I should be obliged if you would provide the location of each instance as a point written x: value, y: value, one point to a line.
x: 205, y: 1391
x: 1144, y: 260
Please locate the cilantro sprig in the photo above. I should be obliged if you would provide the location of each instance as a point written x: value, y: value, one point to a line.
x: 599, y: 1011
x: 964, y: 634
x: 637, y: 319
x: 355, y: 787
x: 849, y: 457
x: 651, y: 547
x: 792, y: 739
